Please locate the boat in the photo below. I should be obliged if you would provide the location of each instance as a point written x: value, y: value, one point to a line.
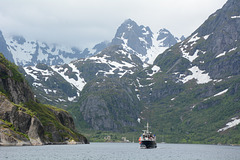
x: 147, y: 139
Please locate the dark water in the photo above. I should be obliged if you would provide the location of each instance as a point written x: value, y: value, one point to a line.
x: 124, y: 151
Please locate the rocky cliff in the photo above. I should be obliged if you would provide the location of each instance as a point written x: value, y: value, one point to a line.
x: 19, y: 126
x: 13, y: 84
x: 23, y: 121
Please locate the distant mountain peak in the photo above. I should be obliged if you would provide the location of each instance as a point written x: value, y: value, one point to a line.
x: 141, y: 41
x: 164, y: 31
x: 128, y: 21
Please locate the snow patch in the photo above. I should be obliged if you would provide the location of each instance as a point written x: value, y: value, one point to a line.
x: 194, y: 38
x: 217, y: 80
x: 189, y: 57
x: 129, y: 27
x: 37, y: 84
x: 123, y: 66
x: 218, y: 94
x: 71, y: 98
x: 79, y: 83
x: 234, y: 17
x: 30, y: 72
x: 221, y: 93
x: 155, y: 50
x: 206, y: 36
x: 197, y: 74
x: 61, y: 100
x: 232, y: 49
x: 231, y: 124
x: 155, y: 69
x: 221, y: 54
x: 47, y: 91
x: 138, y: 96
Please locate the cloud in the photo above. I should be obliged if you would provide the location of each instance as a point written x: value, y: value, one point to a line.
x: 84, y: 23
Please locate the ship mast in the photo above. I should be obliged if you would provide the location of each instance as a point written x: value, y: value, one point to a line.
x: 147, y: 131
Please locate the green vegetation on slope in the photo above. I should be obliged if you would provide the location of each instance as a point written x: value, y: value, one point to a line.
x: 188, y: 118
x: 48, y: 118
x: 17, y: 76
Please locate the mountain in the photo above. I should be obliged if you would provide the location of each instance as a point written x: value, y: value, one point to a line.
x: 23, y: 120
x: 140, y: 40
x: 203, y: 98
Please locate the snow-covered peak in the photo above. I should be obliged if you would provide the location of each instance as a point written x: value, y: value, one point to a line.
x: 141, y: 41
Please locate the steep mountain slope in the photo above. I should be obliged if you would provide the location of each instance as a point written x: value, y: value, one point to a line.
x: 23, y: 121
x: 204, y: 69
x: 212, y: 48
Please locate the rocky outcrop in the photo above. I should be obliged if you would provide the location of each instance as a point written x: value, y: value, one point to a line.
x: 64, y: 118
x: 36, y: 132
x: 20, y: 123
x: 9, y: 137
x: 19, y: 126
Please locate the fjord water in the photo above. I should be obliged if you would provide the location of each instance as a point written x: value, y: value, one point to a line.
x: 121, y: 151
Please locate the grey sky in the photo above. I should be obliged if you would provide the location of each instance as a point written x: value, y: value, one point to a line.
x: 84, y: 23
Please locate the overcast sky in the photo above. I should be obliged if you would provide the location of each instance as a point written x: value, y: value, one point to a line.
x: 83, y: 23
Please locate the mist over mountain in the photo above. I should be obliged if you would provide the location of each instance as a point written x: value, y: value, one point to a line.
x: 138, y: 39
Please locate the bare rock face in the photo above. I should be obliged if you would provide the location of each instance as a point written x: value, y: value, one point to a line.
x: 21, y: 124
x: 20, y: 128
x: 36, y: 132
x: 64, y: 118
x: 11, y: 138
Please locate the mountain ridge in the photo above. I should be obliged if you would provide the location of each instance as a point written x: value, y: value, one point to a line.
x: 27, y: 52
